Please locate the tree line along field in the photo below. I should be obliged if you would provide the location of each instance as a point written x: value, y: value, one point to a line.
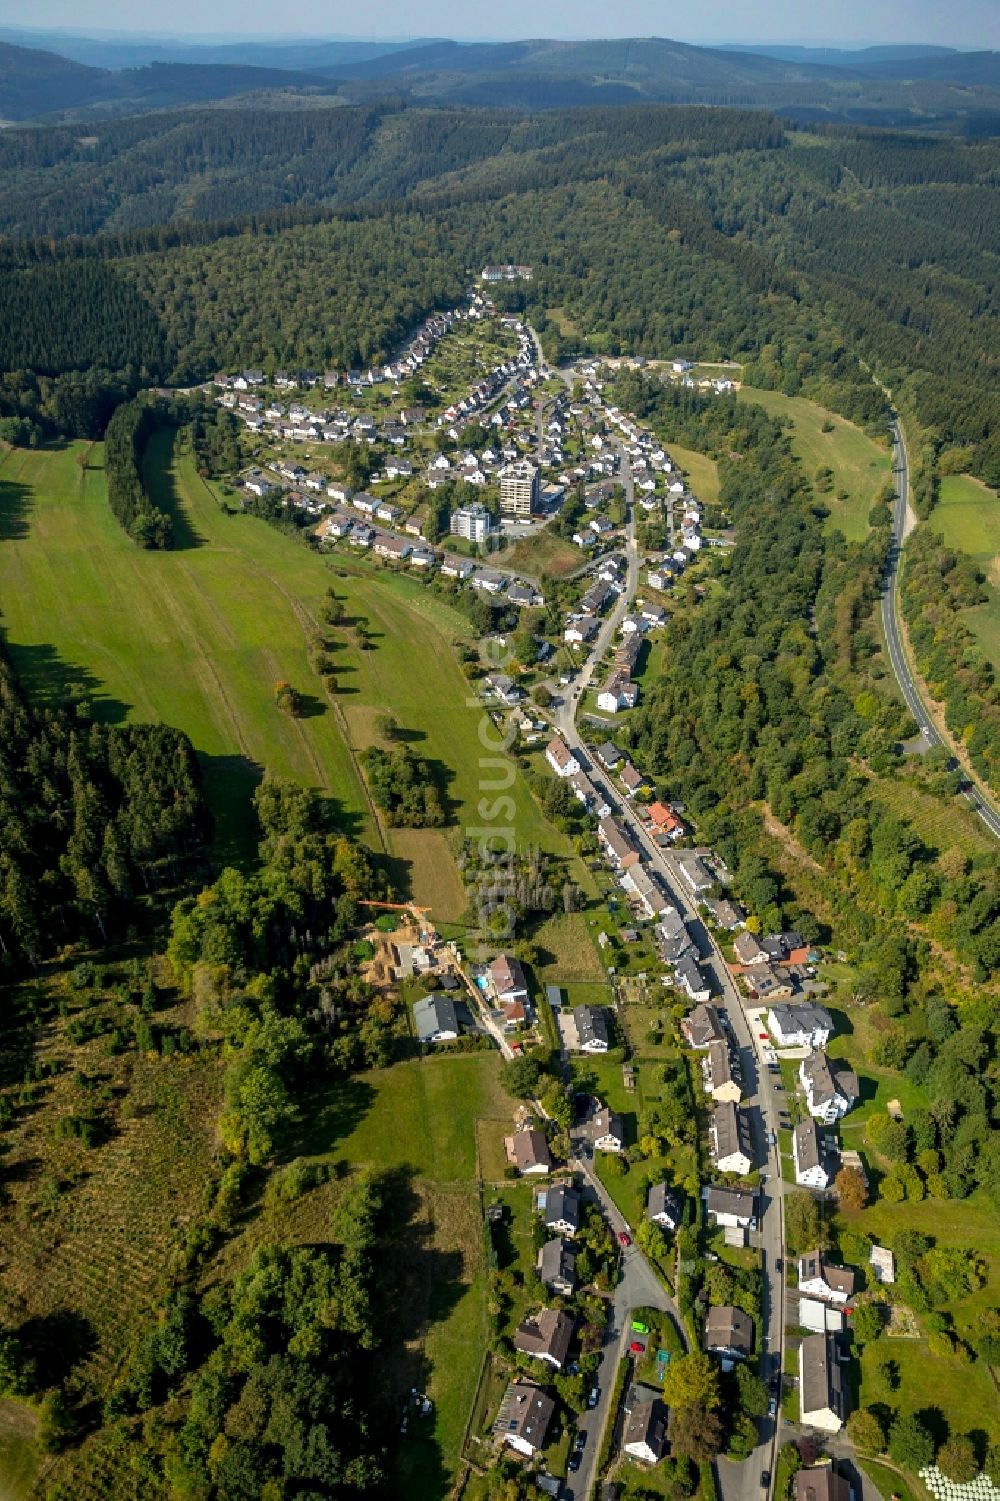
x: 198, y: 638
x: 860, y: 466
x: 967, y: 517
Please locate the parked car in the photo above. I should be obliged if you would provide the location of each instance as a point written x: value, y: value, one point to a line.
x: 765, y: 1479
x: 640, y: 1327
x: 581, y: 1441
x: 637, y: 1347
x: 594, y: 1396
x: 772, y: 1407
x: 573, y: 1463
x: 623, y: 1239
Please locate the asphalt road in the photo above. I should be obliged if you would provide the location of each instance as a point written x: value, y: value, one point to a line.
x: 901, y: 520
x: 738, y: 1482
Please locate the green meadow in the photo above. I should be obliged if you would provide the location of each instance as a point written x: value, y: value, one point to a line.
x: 199, y: 636
x: 860, y: 466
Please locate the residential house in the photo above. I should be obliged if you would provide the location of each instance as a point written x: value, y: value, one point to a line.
x: 822, y: 1395
x: 673, y: 940
x: 505, y: 689
x: 702, y: 1026
x: 803, y: 1026
x: 591, y: 1029
x: 609, y: 755
x: 786, y: 948
x: 436, y: 1019
x: 515, y: 1014
x: 506, y: 979
x: 820, y: 1279
x: 579, y: 631
x: 721, y: 1076
x: 821, y: 1482
x: 665, y: 821
x: 631, y: 779
x: 807, y: 1155
x: 616, y: 844
x: 557, y: 1267
x: 562, y: 1209
x: 546, y: 1335
x: 488, y: 581
x: 729, y: 1139
x: 734, y: 1208
x: 765, y: 984
x: 619, y: 692
x: 606, y: 1131
x: 591, y: 796
x: 528, y: 1151
x: 690, y: 977
x: 422, y: 557
x: 663, y: 1206
x: 457, y: 568
x: 696, y: 875
x: 396, y: 549
x: 747, y: 948
x: 524, y: 1418
x: 830, y: 1092
x: 645, y: 1433
x: 389, y: 513
x: 561, y: 758
x: 643, y: 885
x: 337, y: 525
x: 362, y: 535
x: 728, y: 1332
x: 725, y: 914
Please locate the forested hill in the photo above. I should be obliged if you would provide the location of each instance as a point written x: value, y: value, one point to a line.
x: 654, y: 229
x: 35, y: 83
x: 950, y: 87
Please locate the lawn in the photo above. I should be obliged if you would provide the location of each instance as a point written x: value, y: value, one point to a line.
x: 702, y: 473
x: 967, y: 517
x: 963, y: 1392
x: 199, y: 636
x: 860, y: 465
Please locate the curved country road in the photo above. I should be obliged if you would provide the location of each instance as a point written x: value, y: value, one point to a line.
x: 901, y: 519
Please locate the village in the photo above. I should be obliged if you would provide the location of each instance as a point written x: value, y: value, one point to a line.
x: 655, y: 1216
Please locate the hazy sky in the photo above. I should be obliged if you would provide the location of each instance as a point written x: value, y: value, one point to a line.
x: 959, y: 23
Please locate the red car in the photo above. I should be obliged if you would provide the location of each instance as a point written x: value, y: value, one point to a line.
x: 637, y: 1347
x: 623, y: 1239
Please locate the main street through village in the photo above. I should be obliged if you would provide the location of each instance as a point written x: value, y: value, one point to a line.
x: 738, y: 1482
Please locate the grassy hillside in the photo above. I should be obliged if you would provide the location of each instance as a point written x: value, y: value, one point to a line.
x: 860, y: 466
x: 702, y: 472
x: 967, y: 517
x: 199, y: 636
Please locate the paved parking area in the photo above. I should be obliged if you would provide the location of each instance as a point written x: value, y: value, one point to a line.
x: 568, y: 1035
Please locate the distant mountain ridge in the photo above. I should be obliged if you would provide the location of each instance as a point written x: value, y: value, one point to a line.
x: 882, y: 85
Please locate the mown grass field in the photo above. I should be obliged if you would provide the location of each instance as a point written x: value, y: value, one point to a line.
x: 197, y: 637
x: 424, y: 1116
x: 860, y: 466
x: 702, y: 472
x: 967, y: 517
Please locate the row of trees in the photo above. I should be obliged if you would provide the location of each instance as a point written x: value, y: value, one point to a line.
x: 127, y: 434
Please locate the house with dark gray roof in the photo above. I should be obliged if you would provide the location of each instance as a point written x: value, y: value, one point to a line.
x: 728, y: 1332
x: 436, y: 1019
x: 591, y: 1028
x: 645, y: 1434
x: 557, y: 1266
x: 562, y: 1209
x: 822, y: 1395
x: 663, y: 1206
